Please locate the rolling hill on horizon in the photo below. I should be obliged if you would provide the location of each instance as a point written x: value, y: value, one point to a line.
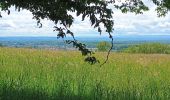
x: 120, y: 42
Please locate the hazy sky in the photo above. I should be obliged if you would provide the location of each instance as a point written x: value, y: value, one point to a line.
x: 22, y: 24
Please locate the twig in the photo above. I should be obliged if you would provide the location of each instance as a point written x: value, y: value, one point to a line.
x: 107, y: 58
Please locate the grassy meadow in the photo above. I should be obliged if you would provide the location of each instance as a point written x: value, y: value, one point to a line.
x: 29, y: 74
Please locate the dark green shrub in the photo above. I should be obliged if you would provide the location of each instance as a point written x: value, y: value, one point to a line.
x: 103, y: 46
x: 149, y: 48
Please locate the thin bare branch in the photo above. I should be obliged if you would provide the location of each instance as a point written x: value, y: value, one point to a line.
x: 112, y: 44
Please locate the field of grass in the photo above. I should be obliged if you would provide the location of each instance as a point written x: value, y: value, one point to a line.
x: 28, y: 74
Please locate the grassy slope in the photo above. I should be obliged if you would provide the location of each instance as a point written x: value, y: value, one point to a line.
x: 27, y: 74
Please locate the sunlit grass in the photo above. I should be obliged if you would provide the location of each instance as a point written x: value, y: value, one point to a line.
x: 29, y: 74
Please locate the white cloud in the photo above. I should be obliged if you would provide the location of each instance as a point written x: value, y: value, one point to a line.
x: 22, y: 24
x: 147, y: 24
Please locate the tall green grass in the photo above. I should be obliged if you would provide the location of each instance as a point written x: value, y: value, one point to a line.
x: 28, y: 74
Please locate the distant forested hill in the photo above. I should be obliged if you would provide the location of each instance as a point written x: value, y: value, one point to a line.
x: 120, y: 42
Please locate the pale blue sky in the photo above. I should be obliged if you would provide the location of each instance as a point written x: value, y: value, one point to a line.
x: 22, y: 24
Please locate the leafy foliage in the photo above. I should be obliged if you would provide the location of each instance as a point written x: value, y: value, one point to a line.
x: 163, y: 6
x: 149, y: 48
x: 96, y: 11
